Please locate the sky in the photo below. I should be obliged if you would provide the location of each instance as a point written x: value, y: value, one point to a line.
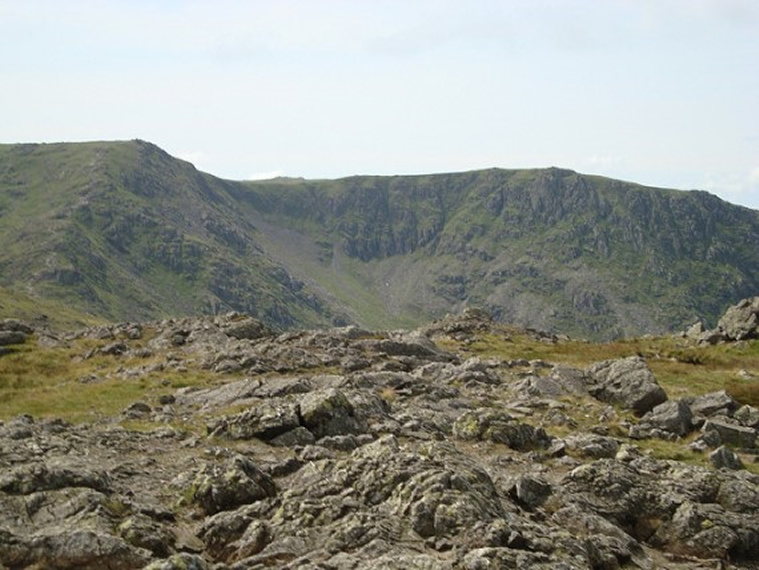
x: 660, y: 92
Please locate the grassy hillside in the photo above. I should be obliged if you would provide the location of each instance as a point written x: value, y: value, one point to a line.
x: 124, y: 231
x: 554, y: 249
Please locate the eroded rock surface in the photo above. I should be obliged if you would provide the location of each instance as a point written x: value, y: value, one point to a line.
x: 345, y: 449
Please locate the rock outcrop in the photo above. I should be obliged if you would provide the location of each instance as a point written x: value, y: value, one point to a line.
x: 346, y: 449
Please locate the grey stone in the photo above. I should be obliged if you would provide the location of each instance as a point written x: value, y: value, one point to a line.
x: 741, y: 321
x: 76, y: 549
x: 32, y: 478
x: 673, y: 417
x: 137, y: 410
x: 591, y: 445
x: 531, y: 491
x: 247, y: 328
x: 714, y: 403
x: 499, y: 427
x: 724, y: 457
x: 143, y: 532
x: 329, y: 412
x: 220, y: 487
x: 731, y: 433
x: 748, y: 416
x: 12, y: 337
x: 627, y: 382
x: 296, y: 436
x: 695, y: 330
x: 263, y: 420
x: 15, y: 325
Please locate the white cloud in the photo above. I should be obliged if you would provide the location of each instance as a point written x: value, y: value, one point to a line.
x: 596, y: 160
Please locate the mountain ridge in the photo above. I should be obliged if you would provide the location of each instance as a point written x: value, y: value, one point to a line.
x: 135, y: 233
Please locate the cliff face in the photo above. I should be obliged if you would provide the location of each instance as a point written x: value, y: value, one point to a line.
x: 548, y: 248
x: 126, y: 231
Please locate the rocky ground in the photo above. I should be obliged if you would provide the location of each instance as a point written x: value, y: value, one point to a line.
x: 344, y: 448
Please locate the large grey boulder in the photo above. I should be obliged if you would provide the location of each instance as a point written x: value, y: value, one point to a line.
x: 499, y: 427
x: 15, y: 325
x: 236, y: 482
x: 706, y: 530
x: 592, y: 445
x: 329, y: 412
x: 732, y: 433
x: 263, y: 420
x: 669, y: 419
x: 247, y: 328
x: 76, y: 549
x: 627, y: 382
x: 725, y: 458
x: 741, y: 321
x: 748, y: 416
x: 12, y: 337
x: 32, y: 478
x: 713, y: 403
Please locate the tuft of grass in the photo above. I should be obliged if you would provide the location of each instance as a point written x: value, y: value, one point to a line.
x: 744, y: 391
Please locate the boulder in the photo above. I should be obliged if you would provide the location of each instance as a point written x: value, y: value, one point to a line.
x: 247, y: 328
x: 740, y: 492
x: 12, y: 337
x: 724, y: 457
x: 263, y: 420
x: 220, y: 487
x: 708, y: 531
x: 671, y: 418
x: 499, y: 427
x: 32, y: 478
x: 329, y: 412
x: 695, y: 330
x: 530, y: 491
x: 748, y: 416
x: 235, y: 535
x: 144, y: 532
x: 627, y: 382
x: 413, y: 344
x: 741, y: 321
x: 76, y: 549
x: 732, y: 433
x: 15, y: 325
x: 713, y: 403
x: 592, y: 445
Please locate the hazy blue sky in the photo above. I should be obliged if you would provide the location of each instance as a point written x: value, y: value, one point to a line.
x: 661, y: 92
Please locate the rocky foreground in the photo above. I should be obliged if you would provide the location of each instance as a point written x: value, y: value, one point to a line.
x: 345, y: 448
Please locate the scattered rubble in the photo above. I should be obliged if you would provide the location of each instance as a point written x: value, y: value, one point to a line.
x: 341, y: 449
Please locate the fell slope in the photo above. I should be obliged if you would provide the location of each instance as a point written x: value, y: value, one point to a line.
x: 124, y: 231
x: 551, y: 248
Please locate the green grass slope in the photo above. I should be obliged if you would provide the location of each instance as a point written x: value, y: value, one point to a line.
x: 124, y: 231
x: 551, y: 248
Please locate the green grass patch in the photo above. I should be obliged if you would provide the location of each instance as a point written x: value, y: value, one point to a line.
x: 681, y: 367
x: 58, y: 382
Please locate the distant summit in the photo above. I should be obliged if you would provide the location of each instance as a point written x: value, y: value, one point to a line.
x: 122, y: 230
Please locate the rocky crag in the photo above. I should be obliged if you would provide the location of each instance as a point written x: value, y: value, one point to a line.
x: 463, y: 444
x: 123, y: 231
